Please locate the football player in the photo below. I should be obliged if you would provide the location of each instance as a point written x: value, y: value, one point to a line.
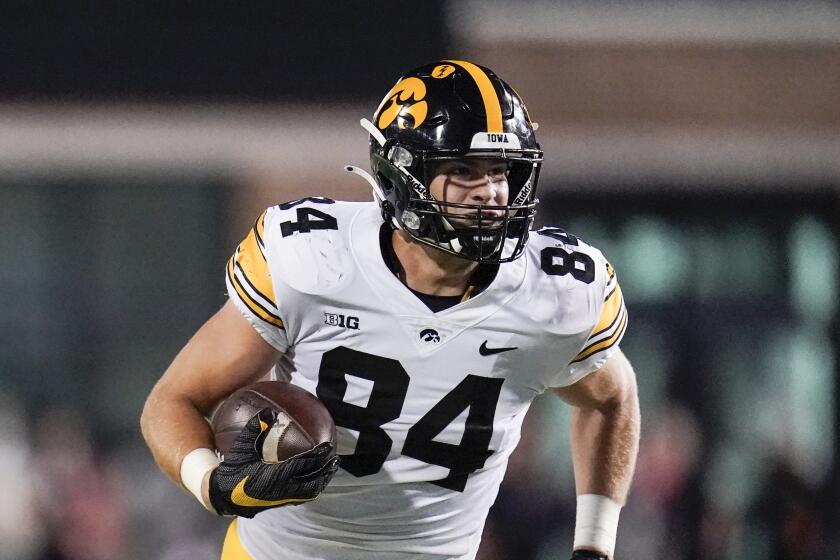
x: 426, y: 321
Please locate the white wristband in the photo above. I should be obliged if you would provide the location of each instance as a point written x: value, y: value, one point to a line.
x: 596, y: 522
x: 195, y: 465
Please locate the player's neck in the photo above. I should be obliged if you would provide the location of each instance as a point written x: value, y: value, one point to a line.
x: 430, y: 271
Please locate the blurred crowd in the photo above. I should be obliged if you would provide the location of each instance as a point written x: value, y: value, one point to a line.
x: 73, y: 493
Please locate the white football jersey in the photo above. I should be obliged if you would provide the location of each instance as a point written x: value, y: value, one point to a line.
x: 428, y: 406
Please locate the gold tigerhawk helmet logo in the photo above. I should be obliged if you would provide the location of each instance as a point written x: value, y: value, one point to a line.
x: 405, y: 97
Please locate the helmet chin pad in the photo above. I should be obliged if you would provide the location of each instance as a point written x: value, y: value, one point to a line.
x: 472, y: 243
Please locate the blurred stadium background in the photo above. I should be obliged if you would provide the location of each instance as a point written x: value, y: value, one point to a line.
x: 696, y: 143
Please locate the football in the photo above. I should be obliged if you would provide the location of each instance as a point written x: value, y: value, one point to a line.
x: 303, y: 421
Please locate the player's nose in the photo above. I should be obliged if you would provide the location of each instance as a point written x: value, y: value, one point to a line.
x: 485, y: 191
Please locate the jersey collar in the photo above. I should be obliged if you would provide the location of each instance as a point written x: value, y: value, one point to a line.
x: 497, y: 286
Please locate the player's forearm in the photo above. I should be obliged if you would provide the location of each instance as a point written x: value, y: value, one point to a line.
x: 226, y: 353
x: 173, y: 426
x: 605, y: 442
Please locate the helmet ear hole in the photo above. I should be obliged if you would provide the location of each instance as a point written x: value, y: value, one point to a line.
x: 387, y: 186
x: 384, y: 182
x: 389, y: 179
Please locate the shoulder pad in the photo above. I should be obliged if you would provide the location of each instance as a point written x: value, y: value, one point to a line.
x: 306, y: 241
x: 561, y: 254
x: 555, y: 235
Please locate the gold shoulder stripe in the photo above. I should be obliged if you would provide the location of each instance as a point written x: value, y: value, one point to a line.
x: 607, y: 329
x: 259, y: 229
x: 251, y: 260
x: 610, y: 311
x: 610, y: 271
x: 492, y: 107
x: 258, y: 309
x: 604, y: 344
x: 253, y: 292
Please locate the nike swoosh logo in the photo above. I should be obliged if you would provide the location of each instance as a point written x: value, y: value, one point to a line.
x: 484, y: 351
x: 241, y: 498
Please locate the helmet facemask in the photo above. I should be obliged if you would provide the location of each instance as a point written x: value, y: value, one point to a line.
x: 475, y: 232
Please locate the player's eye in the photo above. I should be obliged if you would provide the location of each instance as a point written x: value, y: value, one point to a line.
x: 498, y: 172
x: 459, y: 171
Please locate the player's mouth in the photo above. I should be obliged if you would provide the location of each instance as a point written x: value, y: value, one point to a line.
x: 476, y: 222
x: 485, y: 218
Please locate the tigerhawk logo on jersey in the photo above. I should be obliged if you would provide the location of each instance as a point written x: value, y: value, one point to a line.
x: 339, y: 320
x: 429, y: 335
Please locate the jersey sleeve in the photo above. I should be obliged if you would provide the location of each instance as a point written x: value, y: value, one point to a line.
x: 607, y: 333
x: 250, y: 287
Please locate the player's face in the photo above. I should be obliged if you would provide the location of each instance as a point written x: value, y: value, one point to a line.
x: 471, y: 181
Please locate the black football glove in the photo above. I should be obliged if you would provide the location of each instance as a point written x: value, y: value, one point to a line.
x: 244, y: 485
x: 588, y: 555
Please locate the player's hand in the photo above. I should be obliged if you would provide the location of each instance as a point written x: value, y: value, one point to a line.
x: 244, y: 485
x: 588, y: 555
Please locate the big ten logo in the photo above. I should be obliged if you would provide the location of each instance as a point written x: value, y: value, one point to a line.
x: 404, y: 100
x: 343, y: 321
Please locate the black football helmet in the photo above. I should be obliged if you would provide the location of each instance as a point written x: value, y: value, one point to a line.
x: 453, y: 109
